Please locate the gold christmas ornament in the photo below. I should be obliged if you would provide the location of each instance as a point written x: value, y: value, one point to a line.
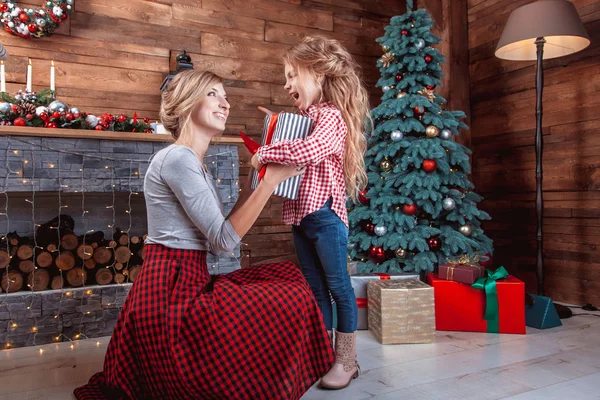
x: 400, y: 253
x: 428, y: 94
x: 386, y: 165
x: 432, y: 131
x: 387, y: 59
x: 401, y: 95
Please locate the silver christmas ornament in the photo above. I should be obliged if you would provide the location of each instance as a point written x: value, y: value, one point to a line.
x: 446, y: 134
x: 74, y: 110
x: 386, y: 88
x: 4, y: 107
x: 419, y: 44
x: 92, y: 120
x: 396, y: 136
x: 57, y: 105
x: 40, y: 110
x: 465, y: 230
x: 351, y: 246
x: 448, y: 204
x: 380, y: 230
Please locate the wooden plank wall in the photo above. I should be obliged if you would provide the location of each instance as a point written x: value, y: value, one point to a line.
x: 112, y: 55
x: 502, y: 95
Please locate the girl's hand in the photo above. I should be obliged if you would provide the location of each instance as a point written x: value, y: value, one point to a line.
x: 277, y: 173
x: 266, y: 110
x: 255, y: 163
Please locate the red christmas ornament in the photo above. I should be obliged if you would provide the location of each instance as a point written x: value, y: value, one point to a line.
x: 409, y: 209
x: 14, y: 108
x: 99, y: 127
x: 3, y: 7
x: 429, y: 165
x: 369, y: 228
x: 44, y: 116
x: 29, y: 116
x: 32, y: 27
x: 399, y: 77
x: 63, y: 17
x: 19, y: 122
x: 377, y: 254
x: 363, y: 199
x: 146, y: 120
x: 56, y: 115
x: 148, y: 131
x: 122, y: 118
x: 69, y: 117
x: 23, y: 17
x: 418, y: 110
x: 434, y: 243
x: 76, y: 115
x: 428, y: 59
x: 430, y: 87
x: 51, y: 125
x: 404, y: 32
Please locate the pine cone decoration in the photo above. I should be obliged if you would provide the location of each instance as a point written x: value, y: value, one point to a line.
x: 28, y: 108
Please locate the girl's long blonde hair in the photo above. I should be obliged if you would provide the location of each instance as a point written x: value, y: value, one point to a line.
x: 341, y: 85
x: 179, y: 99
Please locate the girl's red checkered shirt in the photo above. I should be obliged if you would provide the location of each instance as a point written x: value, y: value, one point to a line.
x: 322, y: 152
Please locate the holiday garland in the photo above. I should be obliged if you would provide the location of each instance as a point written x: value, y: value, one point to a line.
x: 42, y: 110
x: 28, y: 23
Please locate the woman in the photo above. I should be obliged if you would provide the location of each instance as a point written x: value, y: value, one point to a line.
x: 252, y: 334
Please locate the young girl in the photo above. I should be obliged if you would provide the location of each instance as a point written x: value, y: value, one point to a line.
x: 323, y: 79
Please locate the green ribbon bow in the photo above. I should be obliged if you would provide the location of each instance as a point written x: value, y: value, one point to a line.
x: 491, y: 297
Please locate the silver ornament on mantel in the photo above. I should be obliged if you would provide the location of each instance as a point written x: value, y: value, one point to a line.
x: 446, y: 134
x: 465, y: 230
x: 396, y: 136
x: 74, y: 110
x: 4, y: 107
x: 386, y: 88
x: 419, y: 44
x: 380, y: 230
x: 92, y: 120
x: 448, y: 204
x: 57, y: 105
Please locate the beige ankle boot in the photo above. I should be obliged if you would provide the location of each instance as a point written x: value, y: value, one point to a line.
x: 345, y: 367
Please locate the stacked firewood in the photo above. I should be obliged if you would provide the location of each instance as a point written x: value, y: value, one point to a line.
x: 56, y: 257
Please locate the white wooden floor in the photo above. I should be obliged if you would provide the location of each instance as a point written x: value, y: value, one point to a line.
x: 561, y: 363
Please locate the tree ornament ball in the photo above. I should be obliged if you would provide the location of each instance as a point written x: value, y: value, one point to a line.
x: 399, y: 77
x: 428, y: 59
x: 446, y: 134
x: 369, y: 228
x: 404, y: 32
x: 32, y: 28
x: 430, y: 87
x: 396, y: 136
x: 466, y: 230
x: 419, y: 44
x: 19, y: 122
x: 386, y: 89
x: 377, y: 254
x: 380, y: 230
x: 409, y: 209
x: 429, y: 165
x: 385, y: 165
x: 434, y: 243
x: 24, y: 18
x: 57, y: 105
x: 4, y: 107
x: 432, y: 131
x: 448, y: 204
x: 362, y: 198
x: 418, y: 110
x: 401, y: 95
x: 400, y: 253
x: 99, y: 127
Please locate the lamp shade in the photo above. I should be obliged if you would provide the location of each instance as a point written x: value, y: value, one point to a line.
x: 556, y: 21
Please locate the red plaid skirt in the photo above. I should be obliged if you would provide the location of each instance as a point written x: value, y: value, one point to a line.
x: 255, y: 333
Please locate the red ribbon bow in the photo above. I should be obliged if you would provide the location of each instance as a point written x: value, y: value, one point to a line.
x: 253, y: 146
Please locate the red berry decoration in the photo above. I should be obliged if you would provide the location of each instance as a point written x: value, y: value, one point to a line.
x: 122, y: 118
x: 428, y: 59
x: 404, y: 32
x: 51, y: 125
x: 369, y: 228
x: 377, y: 254
x: 44, y: 116
x: 76, y: 115
x: 99, y: 127
x: 434, y: 243
x: 146, y: 120
x: 23, y: 17
x: 56, y: 115
x: 69, y: 117
x: 20, y: 122
x: 430, y: 87
x: 29, y: 116
x: 399, y: 77
x: 32, y: 27
x: 363, y: 199
x: 3, y: 7
x: 429, y: 166
x: 409, y: 209
x: 14, y: 108
x: 418, y: 110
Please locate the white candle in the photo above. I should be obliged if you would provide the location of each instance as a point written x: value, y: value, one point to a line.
x: 2, y: 78
x: 52, y: 76
x: 29, y: 69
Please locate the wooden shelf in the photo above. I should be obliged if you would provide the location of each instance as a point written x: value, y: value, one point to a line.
x: 93, y: 134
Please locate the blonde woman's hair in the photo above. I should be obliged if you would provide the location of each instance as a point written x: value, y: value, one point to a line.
x: 341, y: 85
x: 179, y: 99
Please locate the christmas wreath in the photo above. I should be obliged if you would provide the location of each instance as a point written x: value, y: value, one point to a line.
x: 28, y: 23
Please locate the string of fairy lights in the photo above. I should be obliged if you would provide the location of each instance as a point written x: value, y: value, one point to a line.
x: 28, y: 156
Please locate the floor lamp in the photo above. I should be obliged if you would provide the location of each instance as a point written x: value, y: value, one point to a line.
x: 538, y: 31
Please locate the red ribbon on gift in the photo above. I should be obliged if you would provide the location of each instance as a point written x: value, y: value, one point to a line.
x: 253, y: 146
x: 382, y: 276
x: 362, y: 303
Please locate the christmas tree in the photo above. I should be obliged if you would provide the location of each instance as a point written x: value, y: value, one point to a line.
x: 419, y: 208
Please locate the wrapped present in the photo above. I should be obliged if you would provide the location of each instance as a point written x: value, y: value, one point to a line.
x: 279, y: 127
x: 540, y: 312
x: 464, y: 270
x: 492, y: 304
x: 401, y: 311
x: 359, y: 284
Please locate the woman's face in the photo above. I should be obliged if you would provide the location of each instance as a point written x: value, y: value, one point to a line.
x: 212, y: 111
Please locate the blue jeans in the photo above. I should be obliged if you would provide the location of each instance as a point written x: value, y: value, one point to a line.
x: 321, y: 244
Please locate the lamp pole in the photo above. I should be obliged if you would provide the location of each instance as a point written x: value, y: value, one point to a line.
x: 539, y: 173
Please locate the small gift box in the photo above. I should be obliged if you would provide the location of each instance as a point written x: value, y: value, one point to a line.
x: 277, y: 128
x: 401, y: 311
x: 464, y: 270
x: 359, y: 284
x: 493, y: 304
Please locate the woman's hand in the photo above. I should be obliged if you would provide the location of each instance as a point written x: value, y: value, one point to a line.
x: 266, y: 110
x: 277, y: 173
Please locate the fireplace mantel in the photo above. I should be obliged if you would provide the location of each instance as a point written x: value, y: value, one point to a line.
x: 103, y: 135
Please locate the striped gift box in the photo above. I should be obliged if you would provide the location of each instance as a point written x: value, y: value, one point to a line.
x: 287, y: 127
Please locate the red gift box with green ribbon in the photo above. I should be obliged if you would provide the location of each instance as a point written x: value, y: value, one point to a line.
x: 494, y: 304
